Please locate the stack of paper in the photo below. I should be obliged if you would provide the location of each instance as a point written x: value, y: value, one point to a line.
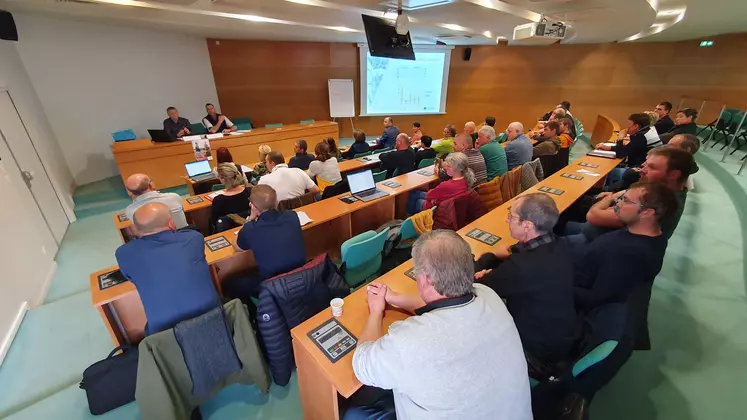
x: 215, y: 136
x: 214, y: 194
x: 303, y: 218
x: 609, y: 144
x: 190, y: 138
x: 603, y: 153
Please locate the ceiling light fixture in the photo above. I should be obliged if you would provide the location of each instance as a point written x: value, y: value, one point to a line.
x: 487, y: 34
x: 452, y: 26
x: 402, y: 24
x: 342, y: 29
x: 666, y: 19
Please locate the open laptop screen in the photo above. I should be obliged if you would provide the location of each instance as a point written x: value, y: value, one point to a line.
x: 361, y: 181
x: 197, y: 168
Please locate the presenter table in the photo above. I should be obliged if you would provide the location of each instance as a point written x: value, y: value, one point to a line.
x: 333, y: 222
x: 164, y: 162
x: 197, y: 207
x: 322, y: 383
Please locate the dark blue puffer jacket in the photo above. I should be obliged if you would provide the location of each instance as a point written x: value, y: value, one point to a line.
x: 289, y: 299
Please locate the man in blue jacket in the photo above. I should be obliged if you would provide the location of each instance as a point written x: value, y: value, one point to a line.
x: 389, y: 136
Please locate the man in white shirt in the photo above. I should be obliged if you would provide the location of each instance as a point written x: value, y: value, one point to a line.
x: 287, y: 182
x: 142, y: 190
x: 215, y: 122
x: 459, y: 357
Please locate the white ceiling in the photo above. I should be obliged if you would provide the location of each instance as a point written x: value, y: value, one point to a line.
x: 591, y: 21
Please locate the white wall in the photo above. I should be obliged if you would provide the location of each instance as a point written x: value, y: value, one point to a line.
x: 14, y: 78
x: 94, y: 79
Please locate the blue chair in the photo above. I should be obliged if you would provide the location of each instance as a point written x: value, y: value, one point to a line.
x: 308, y: 121
x: 243, y: 126
x: 197, y: 129
x: 395, y: 173
x: 407, y: 232
x: 276, y: 125
x: 426, y: 163
x: 239, y: 121
x: 357, y: 155
x: 361, y: 257
x: 379, y: 176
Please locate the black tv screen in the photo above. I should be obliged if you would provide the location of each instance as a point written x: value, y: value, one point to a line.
x: 384, y: 41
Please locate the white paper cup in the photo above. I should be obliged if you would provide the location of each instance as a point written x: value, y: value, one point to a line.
x: 336, y: 305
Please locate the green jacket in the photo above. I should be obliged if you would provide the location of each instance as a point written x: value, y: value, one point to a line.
x: 444, y: 147
x: 164, y: 387
x: 496, y: 162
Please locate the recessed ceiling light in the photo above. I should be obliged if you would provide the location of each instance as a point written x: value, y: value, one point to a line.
x: 341, y: 28
x: 453, y: 27
x: 487, y: 34
x: 255, y: 18
x: 670, y: 12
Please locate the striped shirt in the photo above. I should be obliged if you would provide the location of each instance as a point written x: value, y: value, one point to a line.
x: 476, y: 162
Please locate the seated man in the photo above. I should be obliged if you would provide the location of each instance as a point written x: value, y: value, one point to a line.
x: 389, y: 136
x: 417, y: 134
x: 446, y: 144
x: 518, y: 145
x: 471, y: 129
x: 620, y: 266
x: 287, y: 182
x: 535, y: 277
x: 176, y: 126
x: 635, y: 151
x: 458, y: 357
x: 217, y: 123
x: 496, y: 163
x: 301, y: 160
x: 425, y: 152
x: 476, y: 162
x: 168, y: 269
x: 275, y: 238
x: 664, y: 122
x: 665, y: 164
x: 142, y: 190
x: 548, y: 143
x: 403, y: 158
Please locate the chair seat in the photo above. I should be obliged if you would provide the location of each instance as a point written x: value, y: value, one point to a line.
x: 361, y: 256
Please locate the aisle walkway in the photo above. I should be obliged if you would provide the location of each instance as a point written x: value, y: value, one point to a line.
x: 698, y: 309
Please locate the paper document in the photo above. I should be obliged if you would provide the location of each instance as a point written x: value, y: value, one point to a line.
x: 214, y: 194
x: 610, y: 144
x: 590, y: 173
x: 245, y: 169
x: 603, y: 153
x: 303, y: 218
x: 242, y: 131
x: 215, y: 136
x: 190, y: 138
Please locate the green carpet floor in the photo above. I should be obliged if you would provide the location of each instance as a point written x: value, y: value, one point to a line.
x: 696, y: 369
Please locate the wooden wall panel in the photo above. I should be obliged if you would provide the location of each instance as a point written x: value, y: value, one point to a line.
x: 287, y: 81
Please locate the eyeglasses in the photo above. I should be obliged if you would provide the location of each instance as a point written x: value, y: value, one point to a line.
x: 626, y: 200
x: 510, y: 216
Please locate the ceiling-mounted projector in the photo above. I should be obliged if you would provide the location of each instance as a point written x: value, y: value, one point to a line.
x: 543, y: 32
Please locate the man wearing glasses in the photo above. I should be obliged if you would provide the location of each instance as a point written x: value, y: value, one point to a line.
x: 535, y: 277
x: 620, y: 266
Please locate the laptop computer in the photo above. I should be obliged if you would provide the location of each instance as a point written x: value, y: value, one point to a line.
x: 363, y: 187
x: 199, y: 171
x: 160, y: 136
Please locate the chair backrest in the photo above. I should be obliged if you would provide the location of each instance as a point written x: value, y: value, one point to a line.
x: 379, y: 176
x: 197, y: 128
x: 308, y: 121
x: 490, y: 193
x: 217, y: 187
x: 407, y: 231
x: 337, y: 189
x: 425, y: 163
x: 361, y: 255
x: 501, y: 137
x: 396, y: 172
x: 384, y: 150
x: 244, y: 126
x: 275, y: 125
x: 242, y: 120
x: 553, y: 163
x: 296, y: 202
x: 357, y: 155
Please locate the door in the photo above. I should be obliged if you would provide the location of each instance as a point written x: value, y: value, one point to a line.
x: 28, y: 249
x: 20, y: 147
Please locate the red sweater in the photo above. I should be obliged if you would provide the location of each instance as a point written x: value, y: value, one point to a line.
x: 444, y: 191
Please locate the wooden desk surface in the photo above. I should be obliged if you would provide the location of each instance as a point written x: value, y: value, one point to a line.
x: 355, y: 310
x: 319, y: 212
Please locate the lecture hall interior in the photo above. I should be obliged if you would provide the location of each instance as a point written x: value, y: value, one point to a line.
x: 373, y: 209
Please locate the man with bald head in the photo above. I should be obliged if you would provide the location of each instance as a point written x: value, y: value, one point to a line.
x: 475, y: 160
x: 518, y: 146
x: 140, y: 187
x: 168, y: 269
x: 402, y: 159
x: 471, y: 128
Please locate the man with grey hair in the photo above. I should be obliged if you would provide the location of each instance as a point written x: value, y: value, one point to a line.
x: 142, y: 190
x: 535, y: 277
x: 518, y: 146
x: 168, y: 269
x: 495, y: 157
x: 458, y: 357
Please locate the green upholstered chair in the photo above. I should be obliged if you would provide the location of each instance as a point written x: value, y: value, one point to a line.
x: 218, y: 187
x: 243, y: 126
x: 361, y: 256
x: 407, y: 232
x: 357, y: 155
x: 308, y: 121
x: 502, y: 137
x: 196, y: 129
x: 426, y: 162
x: 243, y: 121
x: 276, y: 125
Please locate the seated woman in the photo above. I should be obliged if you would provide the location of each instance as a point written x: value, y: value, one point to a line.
x: 324, y: 168
x: 333, y: 150
x: 462, y: 179
x: 222, y: 155
x: 235, y: 198
x: 260, y: 169
x: 359, y: 146
x: 684, y: 123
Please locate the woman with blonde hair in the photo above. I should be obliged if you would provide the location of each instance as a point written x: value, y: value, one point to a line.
x: 260, y: 169
x: 324, y: 167
x: 652, y: 136
x: 235, y: 198
x: 462, y: 179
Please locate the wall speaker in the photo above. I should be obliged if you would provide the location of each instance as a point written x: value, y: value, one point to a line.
x: 8, y: 30
x: 467, y: 53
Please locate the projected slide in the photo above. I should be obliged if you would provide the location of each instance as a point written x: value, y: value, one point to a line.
x: 405, y: 86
